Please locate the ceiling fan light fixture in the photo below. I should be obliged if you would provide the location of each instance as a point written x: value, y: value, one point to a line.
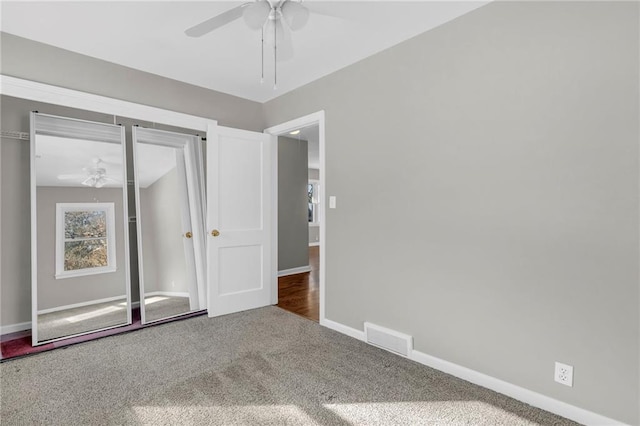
x: 256, y: 14
x: 275, y: 18
x: 295, y: 15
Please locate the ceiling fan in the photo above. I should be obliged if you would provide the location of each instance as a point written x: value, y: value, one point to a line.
x: 95, y: 176
x: 273, y: 17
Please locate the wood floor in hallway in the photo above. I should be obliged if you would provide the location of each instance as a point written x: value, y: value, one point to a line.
x: 300, y: 293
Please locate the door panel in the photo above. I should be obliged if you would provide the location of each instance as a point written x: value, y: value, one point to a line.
x: 239, y: 209
x: 240, y: 269
x: 240, y: 202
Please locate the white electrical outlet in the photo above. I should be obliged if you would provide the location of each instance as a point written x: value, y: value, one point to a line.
x: 564, y: 374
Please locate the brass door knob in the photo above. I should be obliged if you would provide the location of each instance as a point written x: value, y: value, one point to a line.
x: 215, y: 233
x: 188, y: 234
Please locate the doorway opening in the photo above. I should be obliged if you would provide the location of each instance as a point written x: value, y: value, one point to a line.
x: 299, y: 224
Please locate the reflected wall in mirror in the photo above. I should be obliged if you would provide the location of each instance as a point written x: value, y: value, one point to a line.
x: 80, y: 274
x: 169, y: 222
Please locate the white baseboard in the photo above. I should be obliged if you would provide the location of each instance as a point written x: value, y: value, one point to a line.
x: 316, y: 244
x: 341, y: 328
x: 535, y: 399
x: 80, y: 305
x: 14, y: 328
x: 167, y: 294
x: 293, y: 271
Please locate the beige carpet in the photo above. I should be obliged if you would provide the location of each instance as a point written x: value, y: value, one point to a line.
x: 81, y: 320
x: 160, y: 307
x: 262, y: 367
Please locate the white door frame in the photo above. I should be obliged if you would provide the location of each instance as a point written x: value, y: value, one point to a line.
x: 280, y: 129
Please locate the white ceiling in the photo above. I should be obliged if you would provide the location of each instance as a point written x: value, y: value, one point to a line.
x: 56, y: 157
x: 68, y: 162
x: 149, y: 36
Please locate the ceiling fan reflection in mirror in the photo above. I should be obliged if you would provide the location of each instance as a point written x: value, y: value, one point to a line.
x: 94, y: 176
x: 275, y: 18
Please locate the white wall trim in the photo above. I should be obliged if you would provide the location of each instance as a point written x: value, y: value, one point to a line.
x: 535, y: 399
x: 26, y: 89
x: 82, y: 304
x: 14, y: 328
x: 344, y: 329
x: 167, y: 294
x: 314, y: 244
x: 293, y: 271
x: 527, y: 396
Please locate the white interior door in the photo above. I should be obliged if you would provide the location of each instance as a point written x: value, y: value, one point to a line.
x: 238, y: 220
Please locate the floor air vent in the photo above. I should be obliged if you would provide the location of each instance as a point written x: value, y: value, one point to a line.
x: 390, y: 340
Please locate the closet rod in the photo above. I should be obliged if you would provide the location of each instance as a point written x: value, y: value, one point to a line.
x: 11, y: 134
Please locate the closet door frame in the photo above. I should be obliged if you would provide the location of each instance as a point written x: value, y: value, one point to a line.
x: 34, y: 91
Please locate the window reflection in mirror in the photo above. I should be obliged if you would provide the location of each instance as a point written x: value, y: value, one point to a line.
x: 85, y: 239
x: 81, y: 280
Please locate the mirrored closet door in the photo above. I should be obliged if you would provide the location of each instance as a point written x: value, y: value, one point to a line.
x: 169, y: 216
x: 79, y: 237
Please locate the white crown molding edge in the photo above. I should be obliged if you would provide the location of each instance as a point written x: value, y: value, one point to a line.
x: 32, y: 90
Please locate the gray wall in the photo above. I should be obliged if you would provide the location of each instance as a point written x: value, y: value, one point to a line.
x: 40, y: 62
x: 498, y: 155
x: 293, y: 236
x: 54, y: 293
x: 165, y: 268
x: 500, y: 151
x: 35, y: 61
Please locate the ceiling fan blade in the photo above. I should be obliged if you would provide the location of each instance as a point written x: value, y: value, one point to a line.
x: 89, y: 181
x: 216, y: 22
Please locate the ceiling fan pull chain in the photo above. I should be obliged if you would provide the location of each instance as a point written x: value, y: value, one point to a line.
x: 262, y: 59
x: 275, y: 56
